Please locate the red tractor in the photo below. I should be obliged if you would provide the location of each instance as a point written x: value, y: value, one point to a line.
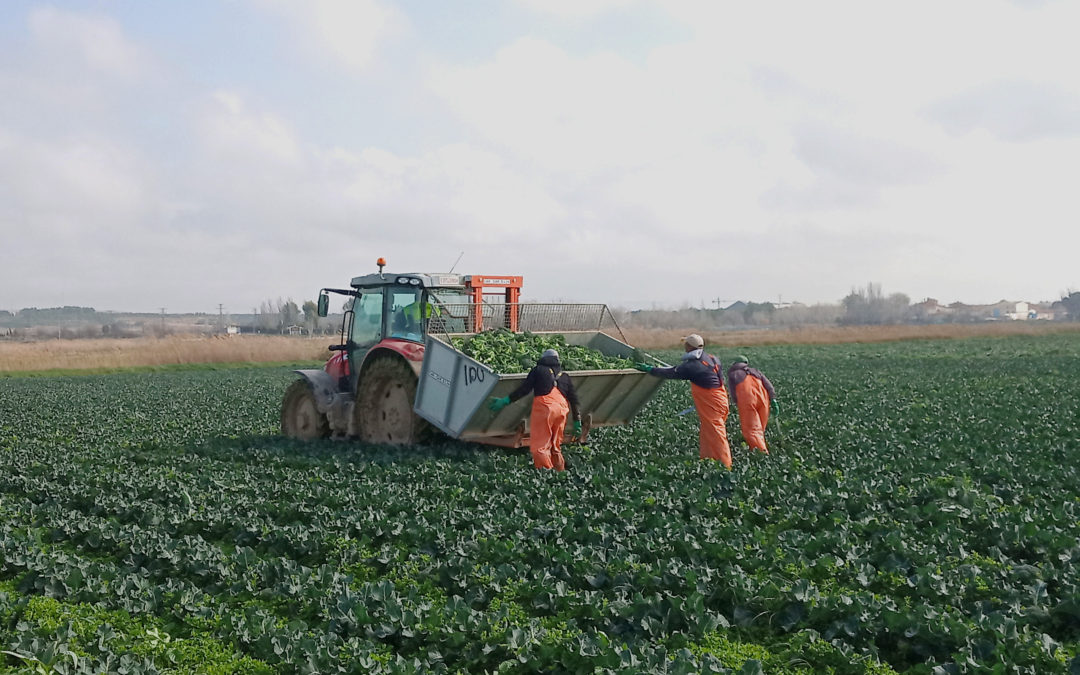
x: 395, y: 377
x: 368, y: 386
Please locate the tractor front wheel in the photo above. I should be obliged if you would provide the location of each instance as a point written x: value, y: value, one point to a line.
x: 384, y: 403
x: 300, y: 416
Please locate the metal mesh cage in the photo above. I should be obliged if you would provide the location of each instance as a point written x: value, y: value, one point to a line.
x: 468, y: 318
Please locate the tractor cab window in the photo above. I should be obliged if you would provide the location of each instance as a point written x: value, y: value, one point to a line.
x: 408, y: 312
x: 454, y: 306
x: 367, y: 318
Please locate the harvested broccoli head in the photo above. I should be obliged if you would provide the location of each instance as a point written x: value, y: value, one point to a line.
x: 506, y: 352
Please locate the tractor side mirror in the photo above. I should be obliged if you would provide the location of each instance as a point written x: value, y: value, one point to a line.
x: 324, y: 303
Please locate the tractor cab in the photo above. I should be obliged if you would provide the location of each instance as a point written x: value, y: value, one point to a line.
x: 368, y: 385
x: 395, y: 312
x: 392, y: 313
x: 406, y: 306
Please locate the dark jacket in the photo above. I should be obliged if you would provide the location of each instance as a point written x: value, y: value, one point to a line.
x: 740, y: 371
x: 700, y: 368
x: 545, y: 376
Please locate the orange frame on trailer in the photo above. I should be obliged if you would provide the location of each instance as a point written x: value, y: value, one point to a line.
x: 508, y: 286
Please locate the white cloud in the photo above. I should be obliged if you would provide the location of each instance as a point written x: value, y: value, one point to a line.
x: 861, y: 160
x: 352, y: 29
x: 485, y: 194
x: 1012, y: 110
x: 96, y: 43
x: 350, y: 32
x: 575, y: 10
x: 689, y: 143
x: 887, y: 56
x: 253, y: 155
x: 228, y: 128
x: 583, y: 115
x: 65, y: 187
x: 717, y: 147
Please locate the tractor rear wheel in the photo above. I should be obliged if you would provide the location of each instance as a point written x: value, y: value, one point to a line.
x: 300, y: 416
x: 384, y: 403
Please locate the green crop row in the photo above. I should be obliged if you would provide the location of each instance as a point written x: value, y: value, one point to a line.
x: 919, y: 513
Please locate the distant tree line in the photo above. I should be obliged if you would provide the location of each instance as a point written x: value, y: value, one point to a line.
x: 66, y: 313
x: 870, y: 306
x: 1071, y: 304
x: 862, y: 306
x: 741, y: 315
x: 283, y: 314
x: 70, y: 322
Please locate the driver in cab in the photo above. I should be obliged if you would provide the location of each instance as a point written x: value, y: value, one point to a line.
x: 415, y: 314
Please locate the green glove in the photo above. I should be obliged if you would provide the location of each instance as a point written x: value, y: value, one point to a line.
x: 577, y: 428
x: 643, y: 367
x: 498, y: 404
x: 774, y: 405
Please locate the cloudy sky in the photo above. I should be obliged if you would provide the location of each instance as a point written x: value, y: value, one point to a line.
x: 633, y: 152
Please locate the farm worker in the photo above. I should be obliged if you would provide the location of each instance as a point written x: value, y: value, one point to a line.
x: 554, y: 399
x: 753, y: 395
x: 413, y: 312
x: 705, y: 373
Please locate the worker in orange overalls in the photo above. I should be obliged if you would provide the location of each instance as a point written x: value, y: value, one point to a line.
x: 710, y: 398
x: 753, y: 395
x: 554, y: 399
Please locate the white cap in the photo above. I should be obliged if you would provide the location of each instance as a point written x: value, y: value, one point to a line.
x: 694, y: 340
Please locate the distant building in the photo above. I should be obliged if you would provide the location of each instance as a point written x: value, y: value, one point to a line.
x: 1000, y: 310
x: 1007, y: 310
x: 931, y: 308
x: 1019, y: 312
x: 1041, y: 312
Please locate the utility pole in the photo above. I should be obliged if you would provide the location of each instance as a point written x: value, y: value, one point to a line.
x: 162, y: 320
x: 221, y: 318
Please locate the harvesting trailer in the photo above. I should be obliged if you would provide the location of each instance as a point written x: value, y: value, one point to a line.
x: 395, y: 373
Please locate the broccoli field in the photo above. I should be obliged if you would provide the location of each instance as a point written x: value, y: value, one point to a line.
x: 919, y: 513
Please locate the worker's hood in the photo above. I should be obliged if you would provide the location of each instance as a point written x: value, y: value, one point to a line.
x: 694, y: 355
x: 739, y: 366
x: 549, y: 361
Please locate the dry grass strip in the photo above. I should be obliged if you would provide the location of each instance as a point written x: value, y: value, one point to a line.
x: 177, y: 349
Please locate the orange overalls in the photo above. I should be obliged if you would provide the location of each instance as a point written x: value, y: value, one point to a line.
x: 712, y: 410
x: 546, y: 427
x: 753, y: 402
